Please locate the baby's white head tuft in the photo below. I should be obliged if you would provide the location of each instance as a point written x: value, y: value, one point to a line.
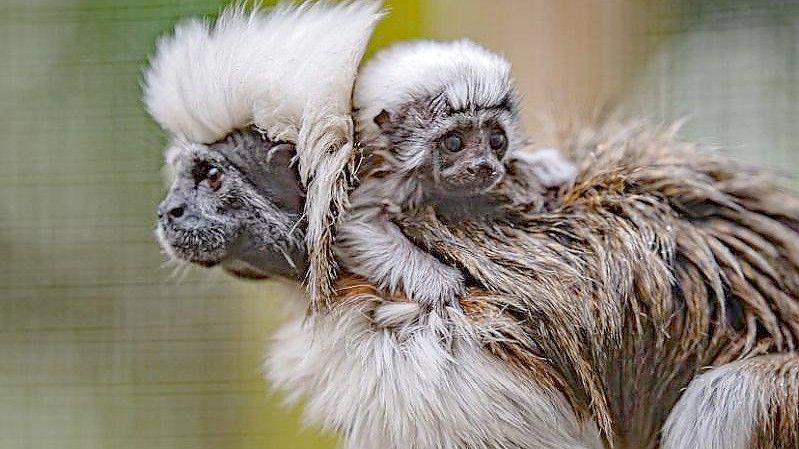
x: 468, y: 75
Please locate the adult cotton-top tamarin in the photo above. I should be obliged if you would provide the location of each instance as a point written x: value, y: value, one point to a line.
x: 661, y: 262
x: 281, y: 80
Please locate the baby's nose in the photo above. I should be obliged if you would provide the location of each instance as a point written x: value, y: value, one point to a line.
x: 483, y: 169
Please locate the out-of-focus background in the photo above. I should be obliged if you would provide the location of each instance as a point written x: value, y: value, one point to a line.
x: 102, y: 347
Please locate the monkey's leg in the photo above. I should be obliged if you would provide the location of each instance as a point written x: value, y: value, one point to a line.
x: 751, y: 403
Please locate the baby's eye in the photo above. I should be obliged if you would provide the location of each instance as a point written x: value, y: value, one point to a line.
x: 497, y: 140
x: 214, y: 178
x: 453, y: 142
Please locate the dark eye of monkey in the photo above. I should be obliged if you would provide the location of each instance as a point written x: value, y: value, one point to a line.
x: 497, y: 141
x: 214, y: 178
x: 210, y: 175
x: 453, y: 142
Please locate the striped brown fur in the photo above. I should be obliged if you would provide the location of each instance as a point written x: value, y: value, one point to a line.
x: 662, y: 260
x: 777, y: 426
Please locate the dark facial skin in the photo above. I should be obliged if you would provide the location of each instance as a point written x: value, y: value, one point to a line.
x: 235, y: 203
x: 467, y: 160
x: 464, y: 149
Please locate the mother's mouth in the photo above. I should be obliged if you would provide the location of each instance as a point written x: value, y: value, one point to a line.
x: 206, y: 247
x: 244, y: 270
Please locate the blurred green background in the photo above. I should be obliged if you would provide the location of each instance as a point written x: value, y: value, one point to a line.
x: 101, y: 346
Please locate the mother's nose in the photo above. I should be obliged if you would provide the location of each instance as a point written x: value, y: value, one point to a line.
x: 171, y: 209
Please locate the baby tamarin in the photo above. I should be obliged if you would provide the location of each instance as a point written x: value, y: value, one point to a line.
x: 439, y: 123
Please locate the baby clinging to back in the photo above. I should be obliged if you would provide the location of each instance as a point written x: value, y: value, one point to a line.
x: 439, y: 125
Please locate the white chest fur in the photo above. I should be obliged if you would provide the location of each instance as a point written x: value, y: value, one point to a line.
x: 384, y: 376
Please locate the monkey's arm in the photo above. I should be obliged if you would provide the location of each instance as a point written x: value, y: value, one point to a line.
x: 376, y: 249
x: 752, y: 403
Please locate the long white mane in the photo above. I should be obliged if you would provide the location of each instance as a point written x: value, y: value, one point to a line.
x: 467, y: 74
x: 289, y: 71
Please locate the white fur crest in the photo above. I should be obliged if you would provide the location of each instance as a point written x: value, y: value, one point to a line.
x: 468, y: 75
x: 288, y: 71
x: 404, y: 379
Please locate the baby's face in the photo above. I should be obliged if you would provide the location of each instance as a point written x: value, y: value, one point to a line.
x: 467, y: 158
x: 456, y: 153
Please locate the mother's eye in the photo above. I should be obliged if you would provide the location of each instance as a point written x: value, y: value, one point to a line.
x: 208, y: 175
x: 213, y: 177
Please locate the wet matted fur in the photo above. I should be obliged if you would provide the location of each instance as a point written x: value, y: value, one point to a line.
x: 662, y: 261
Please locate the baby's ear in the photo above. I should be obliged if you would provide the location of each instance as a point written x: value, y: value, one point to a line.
x: 383, y: 120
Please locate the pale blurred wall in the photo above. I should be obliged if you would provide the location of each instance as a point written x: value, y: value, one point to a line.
x: 729, y: 67
x: 570, y: 55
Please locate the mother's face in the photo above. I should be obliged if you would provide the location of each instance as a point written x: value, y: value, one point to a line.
x: 234, y: 203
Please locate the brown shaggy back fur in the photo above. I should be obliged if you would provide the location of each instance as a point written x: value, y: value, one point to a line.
x: 661, y: 261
